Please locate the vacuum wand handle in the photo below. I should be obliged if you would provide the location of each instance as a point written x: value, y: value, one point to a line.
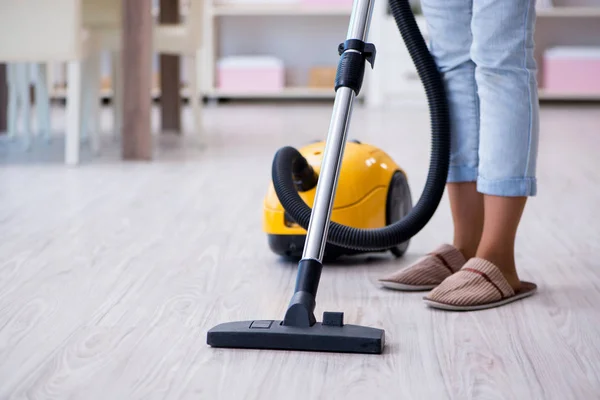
x: 350, y: 69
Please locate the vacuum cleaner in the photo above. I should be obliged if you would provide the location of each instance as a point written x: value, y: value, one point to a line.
x: 372, y: 192
x: 292, y: 173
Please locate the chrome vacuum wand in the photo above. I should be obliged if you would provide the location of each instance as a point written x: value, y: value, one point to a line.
x: 299, y: 329
x: 354, y: 53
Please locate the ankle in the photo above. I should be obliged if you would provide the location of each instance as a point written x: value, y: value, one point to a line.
x: 467, y: 242
x: 467, y: 250
x: 505, y: 262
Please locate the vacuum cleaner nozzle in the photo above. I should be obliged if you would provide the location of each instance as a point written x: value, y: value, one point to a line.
x: 331, y: 335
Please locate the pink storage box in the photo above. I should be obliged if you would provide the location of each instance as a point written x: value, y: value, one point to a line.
x: 572, y: 70
x: 250, y: 74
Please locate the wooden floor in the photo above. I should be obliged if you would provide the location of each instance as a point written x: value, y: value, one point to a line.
x: 112, y: 273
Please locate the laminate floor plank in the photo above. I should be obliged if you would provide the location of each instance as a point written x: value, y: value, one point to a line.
x: 111, y: 273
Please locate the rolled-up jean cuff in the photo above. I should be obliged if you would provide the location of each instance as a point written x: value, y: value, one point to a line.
x: 514, y: 187
x: 462, y: 173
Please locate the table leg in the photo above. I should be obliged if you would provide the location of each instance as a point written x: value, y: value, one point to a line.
x: 170, y: 97
x: 136, y: 59
x: 3, y: 99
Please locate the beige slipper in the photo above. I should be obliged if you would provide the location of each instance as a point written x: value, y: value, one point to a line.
x: 478, y: 285
x: 428, y: 272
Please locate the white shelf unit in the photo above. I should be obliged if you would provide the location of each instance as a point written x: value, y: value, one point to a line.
x: 567, y: 23
x: 302, y: 35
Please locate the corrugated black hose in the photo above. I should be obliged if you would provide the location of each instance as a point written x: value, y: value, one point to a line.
x: 287, y: 159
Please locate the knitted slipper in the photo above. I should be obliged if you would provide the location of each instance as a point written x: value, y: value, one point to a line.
x: 477, y: 286
x: 428, y: 272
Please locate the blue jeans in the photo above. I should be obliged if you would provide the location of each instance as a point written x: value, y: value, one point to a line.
x: 484, y: 50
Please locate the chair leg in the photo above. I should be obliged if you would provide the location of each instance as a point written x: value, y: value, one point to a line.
x: 24, y: 98
x: 93, y: 101
x: 117, y: 89
x: 42, y: 100
x: 72, y: 136
x: 195, y: 99
x: 84, y: 122
x: 13, y: 98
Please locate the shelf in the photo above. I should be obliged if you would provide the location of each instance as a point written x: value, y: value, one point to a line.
x: 545, y: 95
x: 61, y: 93
x: 287, y: 93
x: 279, y: 10
x: 302, y: 10
x: 315, y: 93
x: 575, y: 12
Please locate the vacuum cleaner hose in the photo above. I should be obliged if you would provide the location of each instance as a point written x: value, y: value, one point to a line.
x: 288, y: 158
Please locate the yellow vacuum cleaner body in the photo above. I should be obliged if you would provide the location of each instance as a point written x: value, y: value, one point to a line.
x: 372, y: 192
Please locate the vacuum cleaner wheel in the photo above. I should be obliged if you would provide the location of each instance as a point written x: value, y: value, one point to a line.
x: 399, y: 204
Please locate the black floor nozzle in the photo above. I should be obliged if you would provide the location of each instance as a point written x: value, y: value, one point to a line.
x: 331, y: 335
x: 299, y: 329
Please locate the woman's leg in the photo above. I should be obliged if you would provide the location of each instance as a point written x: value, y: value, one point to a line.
x: 467, y: 208
x: 449, y: 27
x: 506, y: 80
x: 502, y: 217
x: 449, y: 31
